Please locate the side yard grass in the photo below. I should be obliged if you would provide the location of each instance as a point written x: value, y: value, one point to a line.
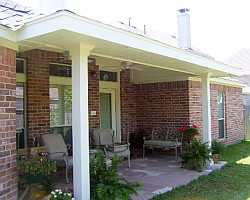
x: 230, y: 183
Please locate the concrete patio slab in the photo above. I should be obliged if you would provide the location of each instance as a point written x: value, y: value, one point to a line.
x: 160, y: 173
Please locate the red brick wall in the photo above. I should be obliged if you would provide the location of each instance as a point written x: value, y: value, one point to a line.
x: 233, y: 113
x: 38, y: 109
x: 233, y: 110
x: 128, y: 105
x: 94, y: 97
x: 195, y: 105
x: 162, y: 104
x: 8, y: 170
x: 145, y: 106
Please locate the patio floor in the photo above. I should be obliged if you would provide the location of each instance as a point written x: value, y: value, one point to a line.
x: 159, y: 173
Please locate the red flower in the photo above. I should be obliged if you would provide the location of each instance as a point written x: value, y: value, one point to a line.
x: 193, y: 126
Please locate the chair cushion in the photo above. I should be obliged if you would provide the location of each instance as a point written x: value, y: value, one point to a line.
x: 111, y: 154
x: 117, y: 147
x: 103, y: 136
x: 162, y: 143
x: 55, y: 144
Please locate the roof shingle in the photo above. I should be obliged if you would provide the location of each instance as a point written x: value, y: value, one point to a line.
x: 14, y: 15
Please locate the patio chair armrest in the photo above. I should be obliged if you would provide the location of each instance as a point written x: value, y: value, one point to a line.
x: 68, y: 160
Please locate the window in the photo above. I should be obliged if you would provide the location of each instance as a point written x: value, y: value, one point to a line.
x: 20, y: 67
x: 108, y: 76
x: 20, y: 106
x: 60, y: 70
x: 20, y: 103
x: 221, y: 114
x: 60, y: 106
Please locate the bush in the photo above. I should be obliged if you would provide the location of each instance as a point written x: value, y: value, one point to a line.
x: 106, y: 183
x: 217, y: 147
x: 196, y: 155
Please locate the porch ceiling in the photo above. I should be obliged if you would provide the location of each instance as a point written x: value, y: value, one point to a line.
x: 59, y: 31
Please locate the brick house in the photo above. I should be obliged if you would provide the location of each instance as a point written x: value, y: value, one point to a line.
x: 119, y: 78
x: 242, y: 60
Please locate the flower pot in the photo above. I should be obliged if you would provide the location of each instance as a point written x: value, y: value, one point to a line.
x: 135, y: 156
x: 33, y: 178
x: 215, y: 158
x: 190, y: 137
x: 136, y: 153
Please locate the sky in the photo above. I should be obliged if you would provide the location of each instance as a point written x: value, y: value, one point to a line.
x: 219, y: 28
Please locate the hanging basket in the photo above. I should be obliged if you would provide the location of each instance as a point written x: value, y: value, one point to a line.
x: 33, y: 178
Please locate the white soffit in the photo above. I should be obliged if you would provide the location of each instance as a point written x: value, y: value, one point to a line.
x: 64, y: 28
x: 8, y: 38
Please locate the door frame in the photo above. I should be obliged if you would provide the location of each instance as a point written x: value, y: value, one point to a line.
x: 114, y: 89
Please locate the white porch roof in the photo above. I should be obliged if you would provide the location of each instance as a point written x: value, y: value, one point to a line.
x: 60, y: 30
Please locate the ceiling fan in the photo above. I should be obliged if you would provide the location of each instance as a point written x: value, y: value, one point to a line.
x: 126, y: 65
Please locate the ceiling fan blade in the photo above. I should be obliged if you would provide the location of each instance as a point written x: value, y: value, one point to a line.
x: 137, y: 68
x: 124, y: 65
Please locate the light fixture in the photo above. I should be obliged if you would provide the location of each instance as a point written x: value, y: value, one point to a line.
x: 93, y: 74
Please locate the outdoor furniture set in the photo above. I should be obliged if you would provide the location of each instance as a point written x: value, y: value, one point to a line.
x: 104, y: 139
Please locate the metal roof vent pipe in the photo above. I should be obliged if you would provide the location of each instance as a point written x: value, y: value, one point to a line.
x: 184, y: 36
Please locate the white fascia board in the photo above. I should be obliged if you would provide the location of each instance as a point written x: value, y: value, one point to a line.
x: 221, y: 81
x: 228, y: 82
x: 71, y: 22
x: 8, y: 38
x: 246, y: 91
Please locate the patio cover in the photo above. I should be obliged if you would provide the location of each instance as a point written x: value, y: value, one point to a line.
x: 85, y: 37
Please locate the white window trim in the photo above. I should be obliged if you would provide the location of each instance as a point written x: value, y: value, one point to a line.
x: 224, y: 117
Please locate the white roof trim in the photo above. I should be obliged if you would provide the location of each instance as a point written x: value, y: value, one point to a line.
x: 246, y: 91
x: 8, y: 38
x: 67, y: 21
x: 223, y: 81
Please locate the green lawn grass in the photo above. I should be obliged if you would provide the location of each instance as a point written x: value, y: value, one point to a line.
x: 230, y: 183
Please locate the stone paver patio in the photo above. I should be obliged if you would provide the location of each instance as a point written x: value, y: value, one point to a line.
x: 159, y: 174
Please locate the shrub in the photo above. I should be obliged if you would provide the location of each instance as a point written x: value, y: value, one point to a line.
x: 106, y: 183
x: 196, y: 155
x: 217, y: 147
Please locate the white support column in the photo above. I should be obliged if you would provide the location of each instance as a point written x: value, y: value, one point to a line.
x: 80, y: 125
x: 206, y: 108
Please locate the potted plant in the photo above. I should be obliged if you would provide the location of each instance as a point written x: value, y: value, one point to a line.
x: 217, y: 148
x: 37, y: 166
x: 136, y: 143
x: 59, y: 194
x: 190, y: 132
x: 196, y: 155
